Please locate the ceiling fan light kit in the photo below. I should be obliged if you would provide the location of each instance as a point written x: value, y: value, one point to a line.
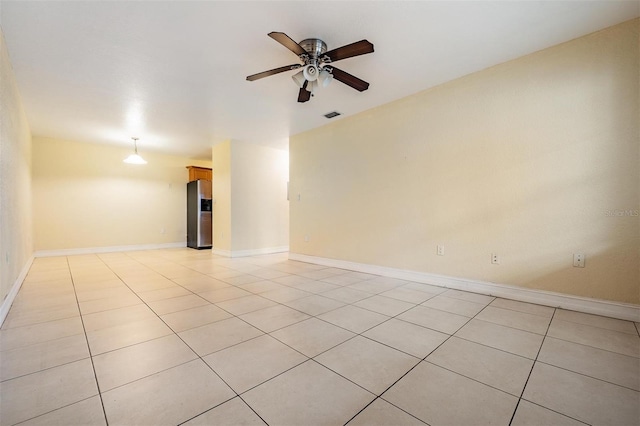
x: 317, y: 68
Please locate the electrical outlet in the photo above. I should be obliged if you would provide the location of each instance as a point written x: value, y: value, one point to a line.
x: 440, y: 250
x: 298, y: 197
x: 163, y: 231
x: 306, y: 238
x: 495, y: 259
x: 578, y: 260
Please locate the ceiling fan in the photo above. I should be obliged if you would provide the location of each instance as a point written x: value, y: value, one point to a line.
x: 317, y: 64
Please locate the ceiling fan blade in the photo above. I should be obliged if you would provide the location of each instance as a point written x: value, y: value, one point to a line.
x: 350, y: 50
x: 272, y: 72
x: 304, y: 95
x: 287, y: 42
x: 349, y: 79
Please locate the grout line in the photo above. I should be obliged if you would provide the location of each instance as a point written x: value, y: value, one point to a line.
x: 95, y: 375
x: 515, y: 410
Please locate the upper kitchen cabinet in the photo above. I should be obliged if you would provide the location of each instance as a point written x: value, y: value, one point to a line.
x: 199, y: 173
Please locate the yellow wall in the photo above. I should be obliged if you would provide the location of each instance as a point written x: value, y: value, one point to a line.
x: 16, y: 247
x: 259, y: 207
x: 84, y: 196
x: 528, y: 159
x: 221, y: 154
x: 251, y: 211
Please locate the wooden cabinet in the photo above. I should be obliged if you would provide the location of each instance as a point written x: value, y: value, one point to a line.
x: 199, y: 173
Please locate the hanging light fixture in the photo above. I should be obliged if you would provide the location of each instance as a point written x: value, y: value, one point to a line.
x: 135, y: 158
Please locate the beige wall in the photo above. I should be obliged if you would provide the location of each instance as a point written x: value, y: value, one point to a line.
x: 84, y: 196
x: 251, y: 211
x: 221, y: 154
x: 259, y: 208
x: 16, y: 247
x: 526, y: 159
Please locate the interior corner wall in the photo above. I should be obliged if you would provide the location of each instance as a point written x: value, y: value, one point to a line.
x: 221, y: 157
x: 16, y: 242
x: 534, y: 159
x: 259, y: 206
x: 85, y: 197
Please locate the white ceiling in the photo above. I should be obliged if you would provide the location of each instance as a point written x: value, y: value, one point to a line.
x: 173, y: 73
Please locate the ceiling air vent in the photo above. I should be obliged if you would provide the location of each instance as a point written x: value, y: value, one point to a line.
x: 332, y: 114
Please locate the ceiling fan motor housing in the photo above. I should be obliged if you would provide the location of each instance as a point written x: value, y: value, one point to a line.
x: 314, y: 46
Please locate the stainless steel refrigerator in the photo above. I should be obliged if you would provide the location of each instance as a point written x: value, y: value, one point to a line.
x: 199, y: 214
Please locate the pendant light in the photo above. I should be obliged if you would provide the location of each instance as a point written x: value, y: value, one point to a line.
x: 135, y: 158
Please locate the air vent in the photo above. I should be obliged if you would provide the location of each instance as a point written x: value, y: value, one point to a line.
x: 332, y: 114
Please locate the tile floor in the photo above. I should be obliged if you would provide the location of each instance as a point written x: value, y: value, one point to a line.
x: 186, y: 337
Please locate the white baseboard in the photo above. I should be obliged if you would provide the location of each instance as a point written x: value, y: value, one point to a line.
x: 111, y: 249
x: 15, y: 288
x: 625, y: 311
x: 252, y: 252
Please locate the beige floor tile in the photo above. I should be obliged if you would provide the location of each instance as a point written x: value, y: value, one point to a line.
x: 384, y: 305
x: 29, y: 396
x: 103, y: 293
x: 231, y: 413
x: 374, y: 287
x: 38, y: 333
x: 33, y: 358
x: 166, y: 398
x: 342, y: 279
x: 426, y: 288
x: 315, y: 305
x: 346, y: 294
x: 441, y: 397
x: 284, y: 295
x: 395, y: 282
x: 242, y: 279
x: 115, y: 317
x: 146, y: 284
x: 612, y: 367
x: 293, y: 280
x: 223, y: 294
x: 468, y: 296
x: 614, y: 341
x: 596, y: 321
x: 455, y: 306
x: 175, y: 304
x: 250, y: 363
x: 353, y: 318
x: 35, y: 316
x: 44, y: 300
x: 125, y: 365
x: 163, y: 293
x: 273, y: 318
x: 259, y: 287
x: 407, y: 337
x: 529, y: 414
x: 219, y: 335
x: 194, y: 317
x: 434, y: 319
x: 119, y: 336
x: 312, y: 336
x: 520, y: 320
x: 370, y: 364
x: 320, y: 274
x: 308, y: 394
x: 315, y: 287
x: 583, y: 398
x: 529, y: 308
x: 201, y: 283
x: 381, y: 413
x: 108, y: 303
x: 83, y: 413
x: 508, y: 339
x: 268, y: 274
x: 490, y: 366
x: 408, y: 295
